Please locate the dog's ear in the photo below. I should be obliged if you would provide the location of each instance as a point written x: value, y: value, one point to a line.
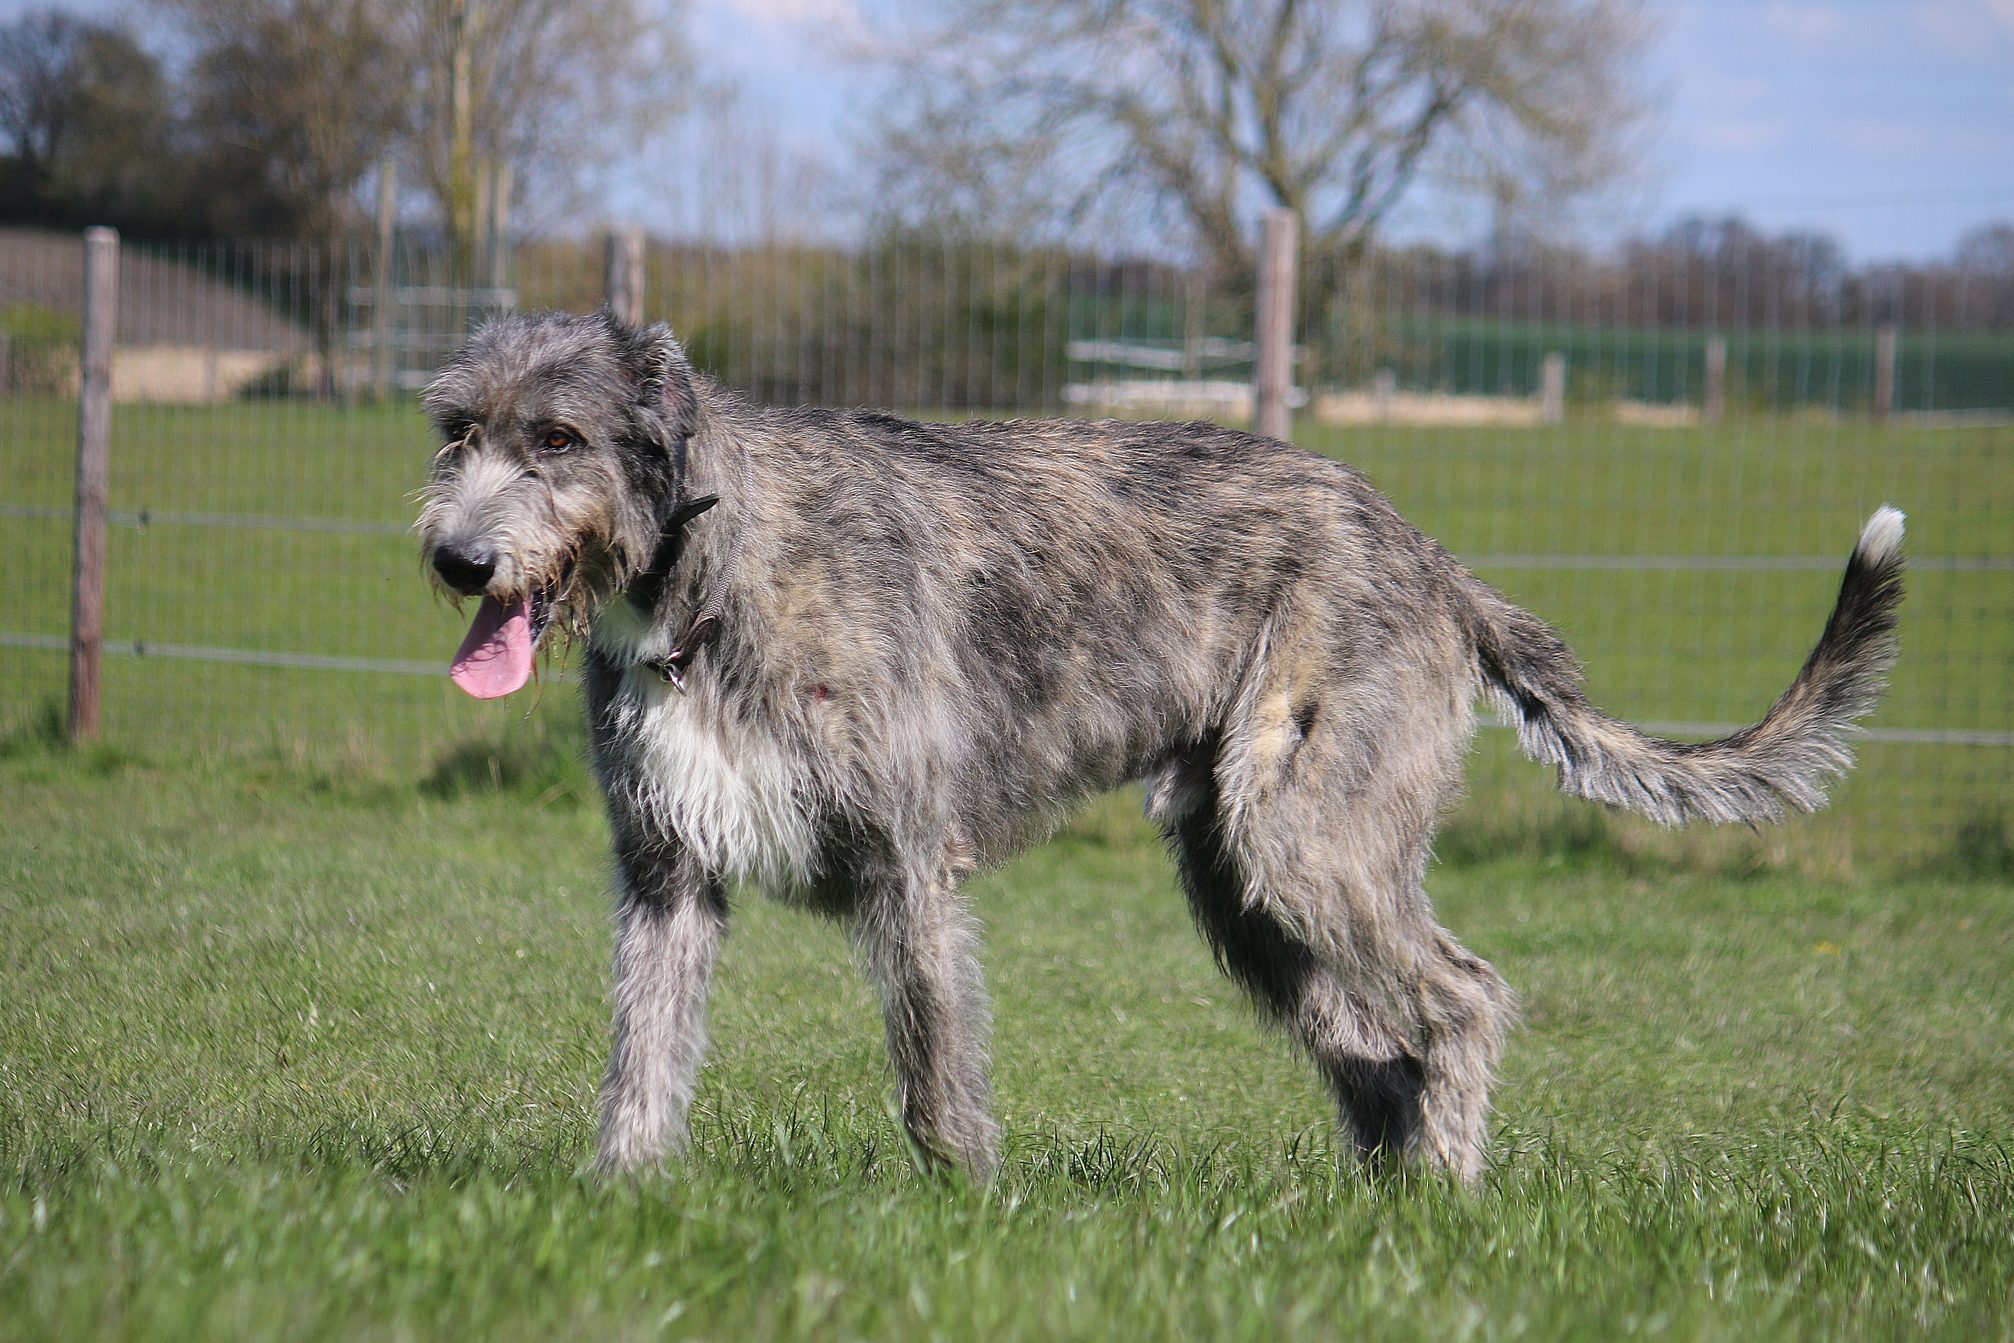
x: 664, y: 379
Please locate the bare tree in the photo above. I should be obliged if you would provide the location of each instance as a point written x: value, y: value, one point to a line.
x: 730, y: 176
x: 549, y: 91
x: 1985, y: 264
x: 291, y: 103
x: 1988, y: 250
x: 38, y: 57
x: 462, y: 91
x: 1211, y: 110
x: 85, y: 125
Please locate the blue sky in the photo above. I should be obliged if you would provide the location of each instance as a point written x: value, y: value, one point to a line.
x: 1891, y: 125
x: 1888, y: 125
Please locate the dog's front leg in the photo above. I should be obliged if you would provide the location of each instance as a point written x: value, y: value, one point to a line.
x: 669, y: 916
x: 921, y: 947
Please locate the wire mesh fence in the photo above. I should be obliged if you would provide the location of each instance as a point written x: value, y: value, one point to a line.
x: 1665, y: 459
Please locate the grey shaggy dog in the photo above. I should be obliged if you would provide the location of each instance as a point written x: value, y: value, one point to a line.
x: 853, y: 657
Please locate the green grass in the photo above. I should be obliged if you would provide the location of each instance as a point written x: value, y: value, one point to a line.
x: 305, y: 1052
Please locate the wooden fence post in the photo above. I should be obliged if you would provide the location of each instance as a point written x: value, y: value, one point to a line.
x: 1552, y: 389
x: 94, y: 433
x: 1273, y: 368
x: 1884, y: 373
x: 499, y: 229
x: 1713, y: 404
x: 1384, y: 385
x: 381, y: 281
x: 479, y: 232
x: 1193, y: 327
x: 622, y: 283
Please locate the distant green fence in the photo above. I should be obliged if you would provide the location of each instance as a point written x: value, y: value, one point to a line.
x: 1766, y: 370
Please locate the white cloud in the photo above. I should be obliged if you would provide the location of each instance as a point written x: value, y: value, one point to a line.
x: 1711, y: 88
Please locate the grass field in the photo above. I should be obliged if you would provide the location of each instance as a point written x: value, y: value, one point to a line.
x: 302, y: 1002
x: 309, y: 1054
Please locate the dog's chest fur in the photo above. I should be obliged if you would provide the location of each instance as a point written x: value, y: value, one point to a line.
x: 732, y: 791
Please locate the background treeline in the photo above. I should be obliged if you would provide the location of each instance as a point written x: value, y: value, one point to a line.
x: 279, y: 119
x: 1724, y: 272
x: 276, y: 117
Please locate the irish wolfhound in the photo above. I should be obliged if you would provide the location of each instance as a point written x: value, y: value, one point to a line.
x: 852, y: 657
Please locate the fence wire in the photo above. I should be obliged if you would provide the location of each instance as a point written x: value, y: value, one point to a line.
x: 1679, y: 502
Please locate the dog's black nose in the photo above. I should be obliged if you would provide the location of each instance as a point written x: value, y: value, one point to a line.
x: 466, y: 571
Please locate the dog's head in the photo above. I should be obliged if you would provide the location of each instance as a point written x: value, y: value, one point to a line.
x: 562, y: 439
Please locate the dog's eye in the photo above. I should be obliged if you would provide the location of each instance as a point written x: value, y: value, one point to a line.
x: 457, y: 438
x: 559, y: 440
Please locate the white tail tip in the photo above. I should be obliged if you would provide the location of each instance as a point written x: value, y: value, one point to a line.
x: 1882, y: 536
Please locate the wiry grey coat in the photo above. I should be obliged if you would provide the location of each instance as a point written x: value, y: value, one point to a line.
x: 934, y: 639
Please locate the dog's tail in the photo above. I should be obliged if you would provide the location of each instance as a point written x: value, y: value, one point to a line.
x: 1784, y: 761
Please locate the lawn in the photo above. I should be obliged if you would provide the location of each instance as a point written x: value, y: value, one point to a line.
x: 303, y: 999
x: 289, y: 1051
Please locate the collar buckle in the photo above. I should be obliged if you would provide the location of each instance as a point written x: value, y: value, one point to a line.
x: 671, y: 668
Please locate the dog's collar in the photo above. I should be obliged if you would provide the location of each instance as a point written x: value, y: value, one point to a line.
x: 648, y: 587
x: 703, y: 630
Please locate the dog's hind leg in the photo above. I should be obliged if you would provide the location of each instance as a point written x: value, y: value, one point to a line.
x: 1405, y: 1026
x: 1376, y: 1079
x: 920, y: 947
x: 1343, y: 867
x: 1463, y: 1009
x: 669, y: 918
x: 1304, y: 837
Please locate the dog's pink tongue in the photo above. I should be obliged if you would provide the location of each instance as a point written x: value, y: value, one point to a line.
x: 495, y: 658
